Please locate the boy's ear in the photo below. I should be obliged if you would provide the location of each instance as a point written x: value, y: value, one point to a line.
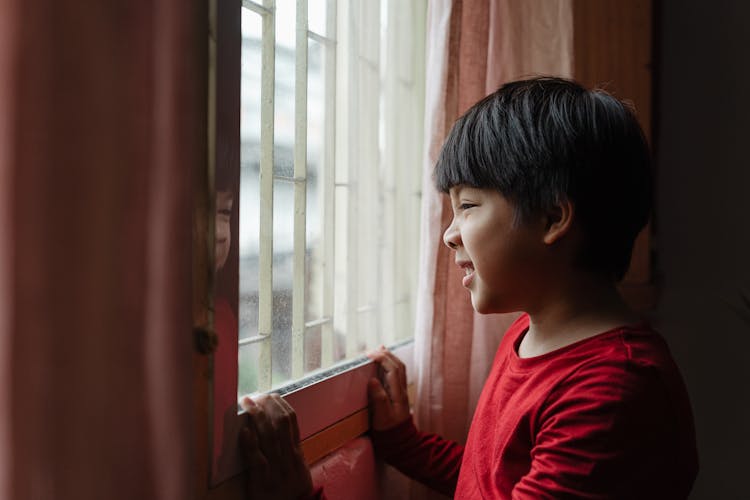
x: 559, y: 221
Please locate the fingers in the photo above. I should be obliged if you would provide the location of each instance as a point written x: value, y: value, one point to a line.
x: 260, y: 416
x: 271, y: 447
x: 246, y: 403
x: 292, y: 416
x: 284, y: 421
x: 276, y: 410
x: 251, y: 448
x: 378, y: 397
x: 255, y: 457
x: 388, y: 361
x: 381, y: 408
x: 393, y: 376
x: 389, y: 401
x: 395, y: 386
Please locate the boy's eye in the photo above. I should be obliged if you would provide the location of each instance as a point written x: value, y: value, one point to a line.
x: 465, y: 206
x: 225, y: 211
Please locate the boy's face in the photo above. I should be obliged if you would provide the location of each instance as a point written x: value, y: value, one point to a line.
x: 224, y: 202
x: 497, y: 256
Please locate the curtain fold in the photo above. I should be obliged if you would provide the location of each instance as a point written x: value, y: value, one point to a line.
x: 103, y: 122
x: 473, y: 47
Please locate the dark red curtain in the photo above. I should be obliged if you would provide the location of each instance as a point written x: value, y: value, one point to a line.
x: 102, y: 126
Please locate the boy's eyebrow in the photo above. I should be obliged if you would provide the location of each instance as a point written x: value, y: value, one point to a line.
x: 461, y: 188
x: 458, y: 188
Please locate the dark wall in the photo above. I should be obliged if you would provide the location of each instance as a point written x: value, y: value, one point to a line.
x: 703, y: 225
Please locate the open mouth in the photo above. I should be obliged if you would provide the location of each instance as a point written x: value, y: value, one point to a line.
x: 468, y: 268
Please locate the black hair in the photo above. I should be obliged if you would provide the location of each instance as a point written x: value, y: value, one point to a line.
x: 226, y: 177
x: 543, y: 140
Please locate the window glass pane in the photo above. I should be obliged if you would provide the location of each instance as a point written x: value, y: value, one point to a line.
x: 249, y: 203
x: 316, y: 12
x: 343, y: 278
x: 285, y: 24
x: 316, y: 157
x: 283, y: 275
x: 250, y: 67
x: 248, y: 362
x: 284, y: 92
x: 313, y: 340
x: 361, y: 186
x: 249, y: 248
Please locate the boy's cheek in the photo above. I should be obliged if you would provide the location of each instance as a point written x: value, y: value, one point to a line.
x: 222, y: 229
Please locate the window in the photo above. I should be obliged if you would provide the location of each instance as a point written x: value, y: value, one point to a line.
x: 331, y: 148
x: 322, y: 209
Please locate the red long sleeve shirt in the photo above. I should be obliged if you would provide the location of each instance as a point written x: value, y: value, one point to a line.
x: 606, y: 417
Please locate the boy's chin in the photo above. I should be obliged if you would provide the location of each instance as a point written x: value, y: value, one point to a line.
x: 486, y: 307
x: 480, y: 306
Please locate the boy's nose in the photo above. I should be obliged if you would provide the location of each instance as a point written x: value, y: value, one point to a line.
x: 451, y: 236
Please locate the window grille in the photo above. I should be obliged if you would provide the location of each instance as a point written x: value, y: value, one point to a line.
x: 331, y: 148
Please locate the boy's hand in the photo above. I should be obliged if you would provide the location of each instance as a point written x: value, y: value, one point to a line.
x: 270, y: 446
x: 389, y: 401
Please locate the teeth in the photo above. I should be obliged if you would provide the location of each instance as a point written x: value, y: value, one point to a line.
x: 468, y: 270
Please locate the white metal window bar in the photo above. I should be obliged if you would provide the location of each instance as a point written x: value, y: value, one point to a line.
x: 265, y: 260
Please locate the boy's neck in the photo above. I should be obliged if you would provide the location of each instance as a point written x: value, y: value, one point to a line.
x: 572, y: 312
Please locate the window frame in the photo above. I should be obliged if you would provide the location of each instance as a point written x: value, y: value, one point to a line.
x: 323, y: 428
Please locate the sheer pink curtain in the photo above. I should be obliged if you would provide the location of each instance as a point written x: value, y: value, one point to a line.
x: 473, y: 46
x: 103, y: 121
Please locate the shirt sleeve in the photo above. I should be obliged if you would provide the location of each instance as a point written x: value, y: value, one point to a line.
x: 425, y: 457
x: 605, y: 433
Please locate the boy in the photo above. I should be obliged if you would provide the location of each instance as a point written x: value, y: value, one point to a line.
x: 550, y: 183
